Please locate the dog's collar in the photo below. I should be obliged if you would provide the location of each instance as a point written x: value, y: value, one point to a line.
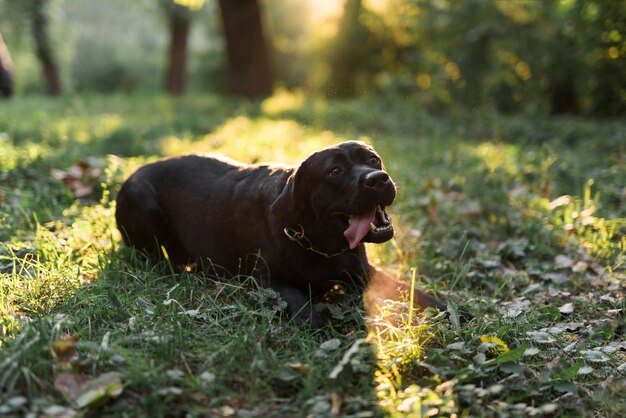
x: 297, y: 235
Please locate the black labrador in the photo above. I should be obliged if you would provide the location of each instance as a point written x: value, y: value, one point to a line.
x: 306, y: 224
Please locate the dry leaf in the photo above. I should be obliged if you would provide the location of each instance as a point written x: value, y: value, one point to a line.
x: 64, y: 350
x: 557, y: 278
x: 567, y: 309
x: 80, y: 178
x: 563, y: 262
x: 595, y: 356
x: 580, y: 266
x: 531, y: 351
x: 541, y: 337
x: 106, y: 386
x: 300, y: 367
x: 69, y: 384
x: 336, y: 402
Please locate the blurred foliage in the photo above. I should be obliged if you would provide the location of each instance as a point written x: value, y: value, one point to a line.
x: 561, y: 56
x: 566, y: 56
x: 114, y: 46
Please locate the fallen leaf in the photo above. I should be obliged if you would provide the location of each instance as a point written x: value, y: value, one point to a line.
x: 70, y: 384
x: 566, y: 309
x: 207, y: 377
x: 556, y: 278
x: 531, y: 351
x: 585, y: 370
x: 541, y: 337
x: 456, y: 346
x: 515, y: 308
x: 563, y: 262
x: 407, y: 404
x: 175, y: 375
x: 64, y: 350
x: 300, y: 367
x: 548, y: 408
x: 595, y: 356
x: 170, y: 391
x: 344, y: 366
x: 227, y: 411
x: 565, y: 326
x: 560, y: 201
x: 106, y: 386
x: 331, y: 345
x: 570, y: 347
x: 614, y: 346
x: 566, y: 387
x: 57, y: 411
x: 80, y: 178
x: 580, y: 267
x: 532, y: 288
x: 608, y: 298
x: 336, y: 402
x: 495, y: 389
x: 287, y: 375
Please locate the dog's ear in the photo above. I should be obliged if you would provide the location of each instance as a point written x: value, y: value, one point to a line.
x: 285, y: 207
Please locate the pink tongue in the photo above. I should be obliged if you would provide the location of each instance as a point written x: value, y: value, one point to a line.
x: 359, y: 227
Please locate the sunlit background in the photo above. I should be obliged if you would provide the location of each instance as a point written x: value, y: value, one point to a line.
x: 565, y: 56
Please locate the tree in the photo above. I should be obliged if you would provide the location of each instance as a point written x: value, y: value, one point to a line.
x: 43, y: 47
x: 250, y: 71
x: 179, y: 15
x: 19, y: 15
x: 6, y: 71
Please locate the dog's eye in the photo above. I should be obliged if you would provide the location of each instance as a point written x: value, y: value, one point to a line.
x: 335, y: 171
x: 374, y: 160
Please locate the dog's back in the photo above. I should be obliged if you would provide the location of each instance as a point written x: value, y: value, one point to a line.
x: 198, y: 206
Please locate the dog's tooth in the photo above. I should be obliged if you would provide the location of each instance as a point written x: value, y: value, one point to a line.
x: 372, y: 226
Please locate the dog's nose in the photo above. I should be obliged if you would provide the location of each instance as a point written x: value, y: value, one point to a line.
x: 376, y: 179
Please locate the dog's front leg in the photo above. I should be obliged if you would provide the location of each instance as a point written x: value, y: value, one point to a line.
x: 299, y: 306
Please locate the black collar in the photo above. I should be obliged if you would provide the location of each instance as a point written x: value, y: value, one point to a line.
x: 297, y: 235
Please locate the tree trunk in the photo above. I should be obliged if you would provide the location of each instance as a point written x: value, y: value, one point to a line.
x: 563, y: 99
x: 176, y: 79
x: 44, y: 48
x: 250, y: 71
x: 6, y: 71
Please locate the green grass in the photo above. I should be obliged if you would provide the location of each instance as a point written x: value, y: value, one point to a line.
x: 511, y: 218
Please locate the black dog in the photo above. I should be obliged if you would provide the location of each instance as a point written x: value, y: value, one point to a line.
x: 306, y: 223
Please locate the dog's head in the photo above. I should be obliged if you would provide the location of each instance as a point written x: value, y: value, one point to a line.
x: 339, y: 195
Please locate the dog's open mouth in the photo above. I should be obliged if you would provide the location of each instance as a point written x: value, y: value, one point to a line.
x: 372, y: 226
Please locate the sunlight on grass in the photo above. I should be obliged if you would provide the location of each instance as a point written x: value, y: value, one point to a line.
x: 399, y: 333
x: 107, y: 124
x: 575, y: 219
x: 60, y: 258
x: 499, y: 156
x: 283, y: 101
x: 399, y: 339
x: 600, y: 237
x: 256, y: 140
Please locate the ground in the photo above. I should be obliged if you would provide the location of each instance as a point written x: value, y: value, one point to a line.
x: 518, y: 221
